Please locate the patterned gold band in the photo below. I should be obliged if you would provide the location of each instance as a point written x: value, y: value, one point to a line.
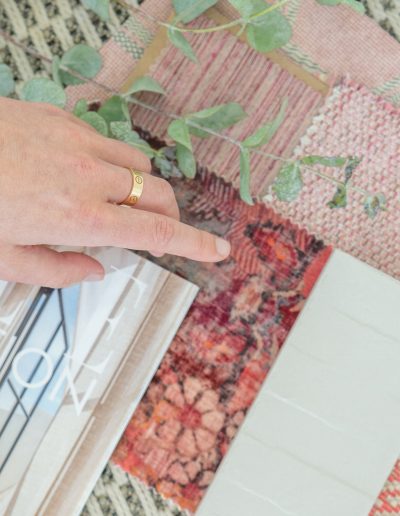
x: 136, y: 190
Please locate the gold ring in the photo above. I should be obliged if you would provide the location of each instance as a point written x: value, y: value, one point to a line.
x: 136, y: 190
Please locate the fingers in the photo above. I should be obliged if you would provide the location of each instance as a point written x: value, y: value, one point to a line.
x: 142, y: 230
x: 157, y: 196
x: 39, y: 265
x: 120, y: 154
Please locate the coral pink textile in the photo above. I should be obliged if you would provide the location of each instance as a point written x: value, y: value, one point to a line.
x: 353, y: 122
x: 229, y: 71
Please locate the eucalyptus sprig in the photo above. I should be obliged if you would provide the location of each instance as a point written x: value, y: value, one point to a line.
x: 265, y: 30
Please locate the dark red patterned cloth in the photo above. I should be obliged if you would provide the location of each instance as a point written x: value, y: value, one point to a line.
x: 226, y: 344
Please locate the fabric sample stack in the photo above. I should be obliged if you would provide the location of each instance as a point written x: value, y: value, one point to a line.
x: 340, y: 73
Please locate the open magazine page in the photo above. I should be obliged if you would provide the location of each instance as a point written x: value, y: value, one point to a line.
x: 74, y: 363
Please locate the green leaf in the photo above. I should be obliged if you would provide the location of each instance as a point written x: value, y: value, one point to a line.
x: 96, y: 121
x: 55, y: 71
x: 145, y: 84
x: 186, y: 161
x: 179, y: 132
x: 288, y: 183
x: 100, y: 7
x: 7, y: 84
x: 216, y: 118
x: 266, y: 132
x: 188, y: 10
x: 373, y: 204
x: 80, y: 107
x: 268, y: 32
x: 44, y: 90
x: 122, y: 131
x: 351, y: 165
x: 339, y: 200
x: 179, y: 41
x: 245, y: 194
x: 326, y: 161
x: 354, y: 4
x: 115, y: 109
x: 82, y: 59
x: 246, y: 8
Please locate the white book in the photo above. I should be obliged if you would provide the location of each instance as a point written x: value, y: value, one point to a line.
x: 74, y: 364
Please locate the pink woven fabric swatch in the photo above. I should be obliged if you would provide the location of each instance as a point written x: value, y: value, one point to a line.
x: 353, y: 121
x: 336, y: 40
x: 229, y: 71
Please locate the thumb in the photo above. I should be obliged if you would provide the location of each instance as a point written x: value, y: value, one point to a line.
x: 40, y: 265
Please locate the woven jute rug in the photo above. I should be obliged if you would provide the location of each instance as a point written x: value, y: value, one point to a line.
x: 201, y: 393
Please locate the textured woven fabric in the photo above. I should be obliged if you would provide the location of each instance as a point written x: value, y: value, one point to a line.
x: 225, y: 346
x: 229, y: 70
x: 336, y: 40
x: 119, y: 494
x: 388, y: 502
x: 386, y: 13
x: 354, y: 122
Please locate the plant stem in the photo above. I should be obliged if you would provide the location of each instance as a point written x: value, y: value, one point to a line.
x: 233, y: 23
x: 173, y: 116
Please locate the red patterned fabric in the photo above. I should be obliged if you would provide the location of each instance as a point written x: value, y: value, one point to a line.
x: 226, y: 345
x: 388, y: 502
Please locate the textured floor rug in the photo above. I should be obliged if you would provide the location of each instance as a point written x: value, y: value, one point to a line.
x: 51, y: 27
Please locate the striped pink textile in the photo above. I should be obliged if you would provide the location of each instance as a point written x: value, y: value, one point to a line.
x: 340, y: 41
x: 353, y: 121
x: 229, y: 71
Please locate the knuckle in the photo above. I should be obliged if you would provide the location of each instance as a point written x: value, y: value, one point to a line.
x: 166, y: 190
x: 88, y: 215
x: 163, y: 233
x: 85, y: 166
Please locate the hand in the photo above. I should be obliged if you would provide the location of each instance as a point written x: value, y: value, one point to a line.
x: 60, y: 184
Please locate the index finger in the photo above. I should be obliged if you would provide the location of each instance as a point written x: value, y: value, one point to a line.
x: 143, y: 230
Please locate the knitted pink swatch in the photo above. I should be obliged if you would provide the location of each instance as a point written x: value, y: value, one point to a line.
x: 354, y: 122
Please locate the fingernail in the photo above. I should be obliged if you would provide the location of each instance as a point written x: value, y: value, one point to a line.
x: 223, y: 247
x: 94, y: 277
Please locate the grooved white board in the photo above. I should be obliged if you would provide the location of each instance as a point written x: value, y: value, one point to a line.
x: 324, y: 431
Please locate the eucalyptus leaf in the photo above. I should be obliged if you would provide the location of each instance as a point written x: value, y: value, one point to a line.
x: 245, y: 194
x: 80, y: 107
x: 288, y: 183
x: 122, y: 131
x: 100, y: 7
x: 42, y: 89
x: 246, y: 8
x: 145, y: 84
x: 95, y: 120
x: 179, y: 41
x: 339, y: 200
x: 186, y: 161
x: 84, y: 60
x: 179, y: 132
x: 326, y: 161
x: 373, y: 204
x: 55, y: 71
x: 351, y: 165
x: 115, y: 109
x: 216, y: 118
x: 266, y: 132
x: 269, y: 32
x: 188, y: 10
x: 354, y: 4
x: 7, y: 84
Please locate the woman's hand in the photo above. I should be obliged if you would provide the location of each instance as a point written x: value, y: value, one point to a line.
x: 60, y: 184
